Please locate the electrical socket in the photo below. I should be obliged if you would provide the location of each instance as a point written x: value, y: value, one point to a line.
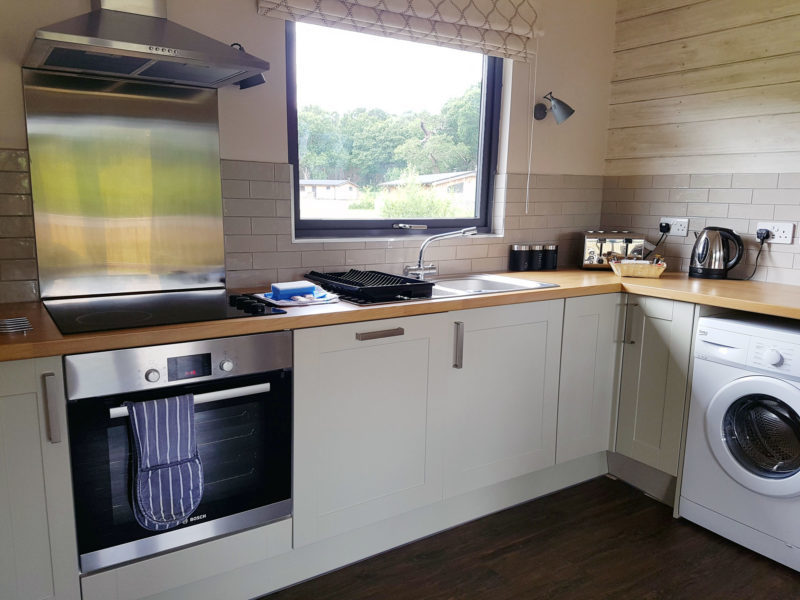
x: 677, y: 226
x: 779, y: 233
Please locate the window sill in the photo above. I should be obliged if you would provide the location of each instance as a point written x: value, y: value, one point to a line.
x: 421, y: 236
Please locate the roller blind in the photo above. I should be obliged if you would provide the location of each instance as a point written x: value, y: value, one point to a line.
x: 495, y: 27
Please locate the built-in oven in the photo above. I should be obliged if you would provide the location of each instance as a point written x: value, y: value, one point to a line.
x: 242, y: 390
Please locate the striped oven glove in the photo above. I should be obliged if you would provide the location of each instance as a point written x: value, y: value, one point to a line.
x: 168, y: 483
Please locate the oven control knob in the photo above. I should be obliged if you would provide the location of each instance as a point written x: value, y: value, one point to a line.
x: 774, y: 357
x: 226, y: 365
x: 152, y: 375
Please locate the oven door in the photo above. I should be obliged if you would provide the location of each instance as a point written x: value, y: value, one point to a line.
x: 244, y: 442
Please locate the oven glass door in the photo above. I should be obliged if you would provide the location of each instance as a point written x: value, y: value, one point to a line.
x: 244, y: 445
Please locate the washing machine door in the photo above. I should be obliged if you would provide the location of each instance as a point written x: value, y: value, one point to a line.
x: 753, y: 428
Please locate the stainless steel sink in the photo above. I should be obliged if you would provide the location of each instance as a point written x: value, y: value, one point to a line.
x: 469, y: 285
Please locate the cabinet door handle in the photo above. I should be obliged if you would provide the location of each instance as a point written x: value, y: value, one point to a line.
x: 51, y: 396
x: 376, y: 335
x: 630, y: 341
x: 458, y: 347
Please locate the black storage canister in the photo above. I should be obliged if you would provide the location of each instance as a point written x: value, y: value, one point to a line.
x: 550, y: 257
x: 519, y: 257
x: 537, y: 258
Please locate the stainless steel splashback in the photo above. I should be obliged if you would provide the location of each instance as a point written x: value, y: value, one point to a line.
x: 126, y: 185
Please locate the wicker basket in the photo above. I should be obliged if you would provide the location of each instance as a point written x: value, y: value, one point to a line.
x: 638, y: 269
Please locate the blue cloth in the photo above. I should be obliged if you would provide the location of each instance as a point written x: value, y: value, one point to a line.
x: 168, y: 483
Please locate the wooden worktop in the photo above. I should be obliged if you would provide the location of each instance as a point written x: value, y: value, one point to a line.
x: 753, y: 296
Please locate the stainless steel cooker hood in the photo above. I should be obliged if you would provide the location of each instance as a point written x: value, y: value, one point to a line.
x: 133, y: 39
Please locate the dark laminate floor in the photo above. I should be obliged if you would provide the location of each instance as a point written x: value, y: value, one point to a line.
x: 600, y: 539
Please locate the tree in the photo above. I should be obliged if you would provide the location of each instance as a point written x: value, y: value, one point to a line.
x: 461, y: 118
x: 435, y: 154
x: 370, y: 146
x: 320, y: 144
x: 447, y: 141
x: 371, y: 136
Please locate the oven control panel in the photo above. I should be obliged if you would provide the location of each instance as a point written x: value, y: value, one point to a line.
x: 97, y: 374
x: 188, y: 367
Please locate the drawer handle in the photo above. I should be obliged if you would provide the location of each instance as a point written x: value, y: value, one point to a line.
x: 51, y: 405
x: 376, y: 335
x: 458, y: 348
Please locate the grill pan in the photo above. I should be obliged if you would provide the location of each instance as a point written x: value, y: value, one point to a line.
x: 372, y: 285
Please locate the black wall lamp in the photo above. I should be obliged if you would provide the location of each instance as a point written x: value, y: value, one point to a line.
x: 560, y: 109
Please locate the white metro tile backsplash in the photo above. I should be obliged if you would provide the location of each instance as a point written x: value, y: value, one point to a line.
x: 259, y: 248
x: 559, y: 208
x: 18, y: 274
x: 735, y: 200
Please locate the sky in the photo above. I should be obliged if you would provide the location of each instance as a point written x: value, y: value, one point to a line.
x: 328, y: 59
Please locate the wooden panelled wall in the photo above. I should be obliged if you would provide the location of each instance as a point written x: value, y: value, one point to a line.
x: 705, y: 87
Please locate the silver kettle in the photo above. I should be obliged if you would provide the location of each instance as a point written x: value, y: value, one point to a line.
x: 711, y: 257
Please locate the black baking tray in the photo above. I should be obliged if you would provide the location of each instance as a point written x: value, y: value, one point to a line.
x: 372, y: 285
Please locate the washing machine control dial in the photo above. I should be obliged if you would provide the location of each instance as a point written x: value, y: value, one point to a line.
x: 773, y: 357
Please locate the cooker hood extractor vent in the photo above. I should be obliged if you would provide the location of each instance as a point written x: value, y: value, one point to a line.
x: 130, y: 39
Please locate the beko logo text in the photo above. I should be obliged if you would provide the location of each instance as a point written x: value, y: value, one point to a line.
x: 196, y: 518
x: 163, y: 50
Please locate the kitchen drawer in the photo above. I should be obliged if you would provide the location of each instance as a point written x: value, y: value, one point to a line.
x: 168, y: 571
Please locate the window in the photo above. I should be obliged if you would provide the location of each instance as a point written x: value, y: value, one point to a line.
x: 409, y: 130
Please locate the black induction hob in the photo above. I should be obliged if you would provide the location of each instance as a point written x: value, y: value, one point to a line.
x: 126, y: 311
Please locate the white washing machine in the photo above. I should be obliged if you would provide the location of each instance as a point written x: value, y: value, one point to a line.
x: 741, y: 473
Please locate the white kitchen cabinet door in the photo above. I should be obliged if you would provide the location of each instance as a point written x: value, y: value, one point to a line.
x: 502, y: 402
x: 655, y: 366
x: 368, y: 422
x: 590, y: 355
x: 38, y: 555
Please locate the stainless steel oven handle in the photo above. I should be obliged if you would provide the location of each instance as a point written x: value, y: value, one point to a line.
x: 248, y: 390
